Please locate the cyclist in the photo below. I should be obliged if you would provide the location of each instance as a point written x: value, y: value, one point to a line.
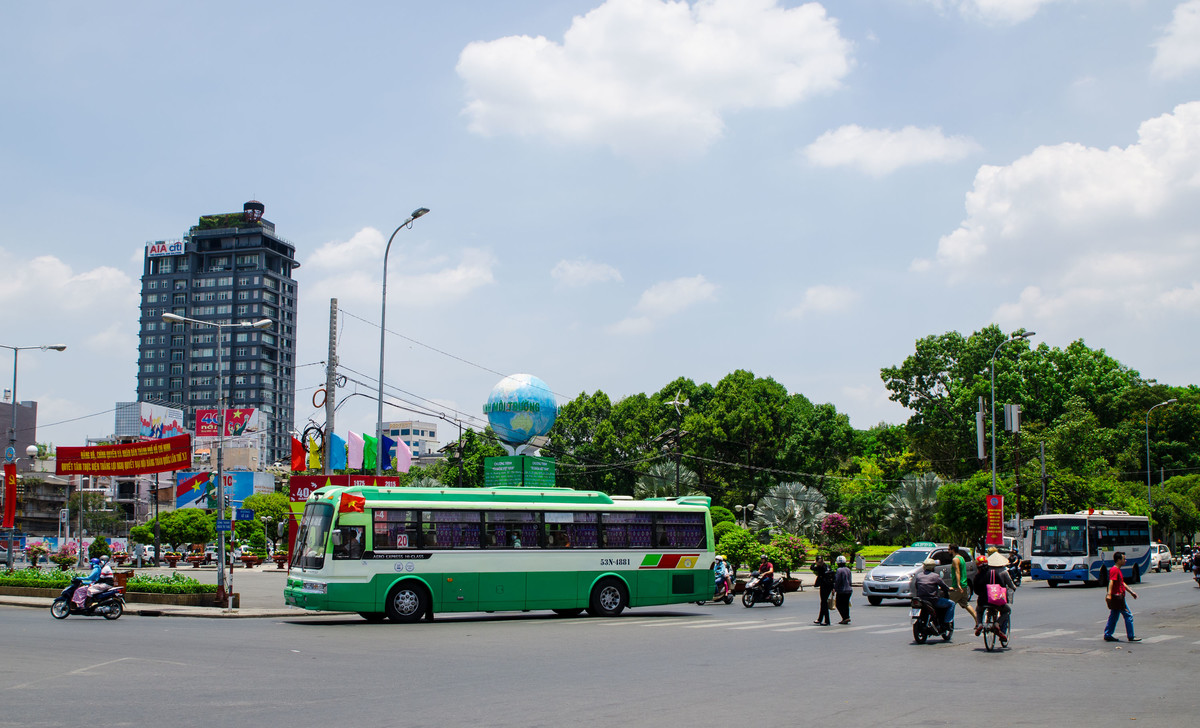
x: 993, y: 570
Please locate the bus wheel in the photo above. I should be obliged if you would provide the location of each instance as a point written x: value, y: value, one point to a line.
x: 373, y: 616
x: 1136, y: 578
x: 608, y: 599
x: 407, y: 603
x: 574, y: 612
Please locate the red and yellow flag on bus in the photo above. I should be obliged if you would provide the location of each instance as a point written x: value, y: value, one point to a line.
x: 352, y: 503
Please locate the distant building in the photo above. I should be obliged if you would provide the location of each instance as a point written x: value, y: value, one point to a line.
x: 421, y: 437
x: 230, y: 267
x: 26, y: 424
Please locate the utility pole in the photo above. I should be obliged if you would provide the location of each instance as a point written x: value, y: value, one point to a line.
x: 331, y: 363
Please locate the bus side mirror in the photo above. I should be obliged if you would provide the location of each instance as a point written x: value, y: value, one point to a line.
x: 336, y: 537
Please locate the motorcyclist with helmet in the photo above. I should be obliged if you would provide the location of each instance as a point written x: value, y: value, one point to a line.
x: 766, y: 573
x: 720, y: 573
x: 929, y: 587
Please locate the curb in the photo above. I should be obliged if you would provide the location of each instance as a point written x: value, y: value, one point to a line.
x: 160, y: 611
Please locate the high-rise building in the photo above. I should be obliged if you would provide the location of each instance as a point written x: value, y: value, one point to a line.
x: 228, y: 268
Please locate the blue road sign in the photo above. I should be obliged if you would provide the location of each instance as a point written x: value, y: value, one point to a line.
x: 224, y: 524
x: 245, y: 514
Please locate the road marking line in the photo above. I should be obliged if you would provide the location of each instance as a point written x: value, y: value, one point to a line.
x: 798, y: 629
x: 764, y: 626
x: 891, y: 631
x: 844, y: 628
x: 1051, y: 633
x: 1160, y: 638
x: 708, y: 624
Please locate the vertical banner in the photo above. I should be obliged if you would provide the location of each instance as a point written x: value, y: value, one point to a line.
x: 10, y: 495
x: 995, y: 520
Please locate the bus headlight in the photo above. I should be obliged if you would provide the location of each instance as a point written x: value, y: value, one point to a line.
x: 316, y: 587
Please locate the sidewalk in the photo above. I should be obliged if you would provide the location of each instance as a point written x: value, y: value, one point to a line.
x: 260, y: 590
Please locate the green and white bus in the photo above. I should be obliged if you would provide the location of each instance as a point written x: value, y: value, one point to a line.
x: 408, y: 553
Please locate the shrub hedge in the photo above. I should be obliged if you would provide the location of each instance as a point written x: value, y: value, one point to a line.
x: 174, y: 583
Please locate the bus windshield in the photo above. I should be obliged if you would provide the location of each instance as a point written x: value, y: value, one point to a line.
x: 1060, y: 537
x: 309, y: 552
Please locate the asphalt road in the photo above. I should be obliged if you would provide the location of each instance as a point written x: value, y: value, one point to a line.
x: 684, y: 665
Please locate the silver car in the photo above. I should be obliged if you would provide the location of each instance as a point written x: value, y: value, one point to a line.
x: 893, y: 578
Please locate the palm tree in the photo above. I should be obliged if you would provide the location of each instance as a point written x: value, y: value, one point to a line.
x: 659, y: 482
x: 790, y: 507
x: 912, y: 509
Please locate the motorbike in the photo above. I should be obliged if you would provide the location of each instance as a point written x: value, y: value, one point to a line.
x: 757, y: 591
x: 926, y: 623
x: 724, y: 592
x: 1014, y: 570
x: 109, y: 603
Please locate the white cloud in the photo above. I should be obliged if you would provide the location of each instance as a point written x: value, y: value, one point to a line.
x: 47, y: 285
x: 350, y: 270
x: 824, y: 299
x: 663, y: 300
x: 578, y: 273
x: 879, y: 152
x: 653, y: 77
x: 1178, y: 51
x: 994, y: 11
x: 1102, y: 235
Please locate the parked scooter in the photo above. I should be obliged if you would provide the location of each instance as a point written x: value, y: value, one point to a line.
x: 109, y: 603
x: 724, y: 592
x: 758, y: 591
x: 927, y: 623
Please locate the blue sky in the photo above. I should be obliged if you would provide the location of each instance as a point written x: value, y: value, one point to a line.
x: 622, y: 192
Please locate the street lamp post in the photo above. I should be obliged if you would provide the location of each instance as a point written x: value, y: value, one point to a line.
x: 744, y: 512
x: 383, y: 333
x: 11, y: 453
x: 1149, y: 495
x: 992, y: 404
x: 220, y: 327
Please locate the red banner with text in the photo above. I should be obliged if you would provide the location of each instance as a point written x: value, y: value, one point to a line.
x: 153, y: 456
x: 10, y: 495
x: 995, y: 520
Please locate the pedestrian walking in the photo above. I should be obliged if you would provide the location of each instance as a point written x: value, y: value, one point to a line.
x: 960, y: 585
x: 824, y: 576
x: 1115, y: 599
x: 842, y: 589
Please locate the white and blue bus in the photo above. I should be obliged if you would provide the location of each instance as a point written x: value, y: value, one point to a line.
x: 1080, y: 546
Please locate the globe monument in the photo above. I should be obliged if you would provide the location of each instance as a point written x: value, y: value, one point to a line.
x: 520, y: 408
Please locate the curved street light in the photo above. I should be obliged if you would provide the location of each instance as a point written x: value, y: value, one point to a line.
x: 1149, y: 496
x: 219, y: 326
x: 11, y: 453
x: 383, y: 332
x: 992, y: 404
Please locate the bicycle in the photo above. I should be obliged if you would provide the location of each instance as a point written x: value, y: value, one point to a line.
x: 991, y: 628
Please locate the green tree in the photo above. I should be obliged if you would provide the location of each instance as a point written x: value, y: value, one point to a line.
x: 790, y: 508
x: 962, y: 510
x: 659, y: 482
x: 740, y: 547
x: 912, y: 509
x: 272, y: 506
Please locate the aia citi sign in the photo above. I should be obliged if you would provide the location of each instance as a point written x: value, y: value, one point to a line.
x: 237, y: 422
x: 164, y: 247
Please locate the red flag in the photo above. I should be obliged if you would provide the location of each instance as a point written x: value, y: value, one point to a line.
x: 297, y: 455
x: 10, y: 496
x: 352, y: 503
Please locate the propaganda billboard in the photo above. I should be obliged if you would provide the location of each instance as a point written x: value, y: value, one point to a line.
x: 159, y: 422
x: 242, y: 421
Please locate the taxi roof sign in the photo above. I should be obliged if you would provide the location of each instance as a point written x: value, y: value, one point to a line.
x: 924, y: 544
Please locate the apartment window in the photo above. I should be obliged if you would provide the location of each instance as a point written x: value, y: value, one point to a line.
x: 181, y: 285
x: 224, y: 310
x: 243, y: 310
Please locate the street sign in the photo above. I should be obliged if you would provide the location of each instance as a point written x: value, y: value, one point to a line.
x: 224, y: 524
x: 245, y: 514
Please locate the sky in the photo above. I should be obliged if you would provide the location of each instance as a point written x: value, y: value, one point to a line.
x: 622, y: 192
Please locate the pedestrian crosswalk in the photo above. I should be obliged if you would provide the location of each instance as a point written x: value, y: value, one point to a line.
x: 1024, y: 635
